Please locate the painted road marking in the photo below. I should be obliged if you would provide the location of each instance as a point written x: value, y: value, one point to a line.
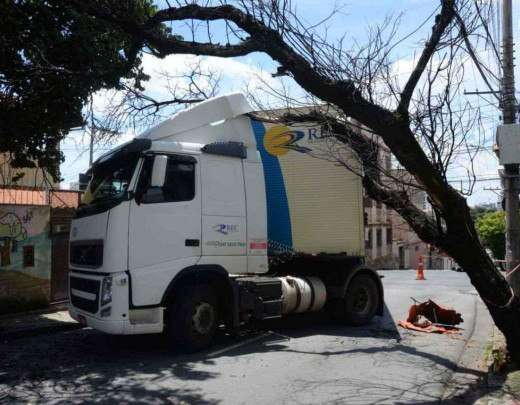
x: 239, y: 344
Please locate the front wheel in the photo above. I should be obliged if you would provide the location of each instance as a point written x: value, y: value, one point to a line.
x: 193, y: 317
x: 361, y: 301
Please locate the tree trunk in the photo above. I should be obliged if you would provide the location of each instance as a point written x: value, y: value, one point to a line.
x: 461, y: 242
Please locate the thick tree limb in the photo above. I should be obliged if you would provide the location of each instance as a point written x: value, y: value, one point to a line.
x: 442, y: 21
x: 391, y: 127
x: 162, y: 47
x: 194, y: 11
x: 394, y: 130
x: 454, y: 238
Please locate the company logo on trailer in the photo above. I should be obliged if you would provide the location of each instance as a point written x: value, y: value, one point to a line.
x: 280, y: 139
x: 225, y: 229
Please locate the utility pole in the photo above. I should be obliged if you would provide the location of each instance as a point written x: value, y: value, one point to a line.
x: 510, y: 173
x: 91, y: 133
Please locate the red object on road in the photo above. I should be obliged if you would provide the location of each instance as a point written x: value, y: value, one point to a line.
x: 430, y: 317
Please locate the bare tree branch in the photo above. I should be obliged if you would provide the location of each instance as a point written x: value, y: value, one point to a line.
x: 442, y: 21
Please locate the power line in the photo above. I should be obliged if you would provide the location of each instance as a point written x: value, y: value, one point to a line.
x: 473, y: 180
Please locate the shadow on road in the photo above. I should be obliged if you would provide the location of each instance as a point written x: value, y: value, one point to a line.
x: 303, y: 325
x: 86, y: 365
x: 308, y: 324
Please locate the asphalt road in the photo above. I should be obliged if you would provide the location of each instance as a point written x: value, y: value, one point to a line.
x: 303, y: 360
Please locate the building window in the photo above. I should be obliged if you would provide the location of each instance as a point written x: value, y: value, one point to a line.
x: 379, y: 204
x: 389, y: 236
x: 379, y: 237
x: 368, y: 241
x: 28, y: 256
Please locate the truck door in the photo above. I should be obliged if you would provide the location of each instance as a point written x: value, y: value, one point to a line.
x: 164, y: 227
x: 224, y: 213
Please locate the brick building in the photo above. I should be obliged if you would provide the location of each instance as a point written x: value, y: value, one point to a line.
x: 34, y: 225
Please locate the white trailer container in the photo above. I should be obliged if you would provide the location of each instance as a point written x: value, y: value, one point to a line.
x: 215, y: 215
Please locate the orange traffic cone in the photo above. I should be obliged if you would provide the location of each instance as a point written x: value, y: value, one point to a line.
x: 420, y: 269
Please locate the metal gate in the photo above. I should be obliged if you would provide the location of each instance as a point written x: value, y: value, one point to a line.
x: 60, y: 226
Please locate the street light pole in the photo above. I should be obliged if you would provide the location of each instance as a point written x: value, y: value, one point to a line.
x: 91, y: 133
x: 508, y: 106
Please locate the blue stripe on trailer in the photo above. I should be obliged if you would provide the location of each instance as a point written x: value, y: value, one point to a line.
x: 278, y: 218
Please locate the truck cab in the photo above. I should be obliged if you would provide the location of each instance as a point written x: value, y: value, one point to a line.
x: 172, y: 235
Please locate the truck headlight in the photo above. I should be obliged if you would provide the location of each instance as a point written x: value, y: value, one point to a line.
x: 106, y: 290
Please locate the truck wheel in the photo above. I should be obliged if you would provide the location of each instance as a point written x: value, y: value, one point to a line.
x: 193, y: 318
x: 361, y: 300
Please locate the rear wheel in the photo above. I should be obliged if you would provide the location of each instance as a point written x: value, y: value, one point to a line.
x: 193, y: 317
x: 361, y: 301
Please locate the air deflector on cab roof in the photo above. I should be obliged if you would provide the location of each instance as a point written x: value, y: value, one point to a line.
x: 134, y: 146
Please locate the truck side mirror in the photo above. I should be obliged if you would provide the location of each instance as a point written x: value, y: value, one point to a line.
x: 84, y: 179
x: 158, y: 171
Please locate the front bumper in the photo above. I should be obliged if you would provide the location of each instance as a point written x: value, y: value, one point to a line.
x: 108, y: 326
x: 115, y: 327
x: 114, y: 317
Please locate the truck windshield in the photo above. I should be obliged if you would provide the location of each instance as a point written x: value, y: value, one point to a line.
x: 109, y: 184
x: 110, y: 181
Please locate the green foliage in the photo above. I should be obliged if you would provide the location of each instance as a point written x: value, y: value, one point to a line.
x: 491, y: 228
x: 480, y: 210
x: 51, y: 59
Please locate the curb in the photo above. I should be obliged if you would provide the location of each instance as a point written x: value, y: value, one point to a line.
x: 465, y: 383
x: 52, y: 319
x: 37, y: 331
x: 55, y: 307
x: 503, y: 386
x: 496, y: 344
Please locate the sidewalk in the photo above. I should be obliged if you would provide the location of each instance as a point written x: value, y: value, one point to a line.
x: 475, y: 380
x: 504, y: 387
x: 53, y: 319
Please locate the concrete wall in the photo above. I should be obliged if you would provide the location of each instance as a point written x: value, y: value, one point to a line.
x: 25, y: 256
x: 27, y: 176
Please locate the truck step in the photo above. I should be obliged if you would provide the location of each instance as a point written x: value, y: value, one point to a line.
x: 260, y: 296
x: 272, y: 317
x: 267, y: 288
x: 272, y: 308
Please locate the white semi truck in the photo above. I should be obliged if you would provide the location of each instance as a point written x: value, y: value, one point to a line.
x: 216, y: 218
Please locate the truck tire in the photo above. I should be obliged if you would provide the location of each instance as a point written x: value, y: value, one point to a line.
x: 361, y: 300
x: 193, y: 318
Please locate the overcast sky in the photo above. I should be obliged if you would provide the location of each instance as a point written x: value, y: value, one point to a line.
x: 351, y: 21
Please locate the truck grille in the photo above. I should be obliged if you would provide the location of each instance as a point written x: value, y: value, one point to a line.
x: 89, y: 291
x: 87, y: 253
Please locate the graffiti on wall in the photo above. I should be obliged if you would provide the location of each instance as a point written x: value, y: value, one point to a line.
x: 12, y: 230
x: 25, y: 250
